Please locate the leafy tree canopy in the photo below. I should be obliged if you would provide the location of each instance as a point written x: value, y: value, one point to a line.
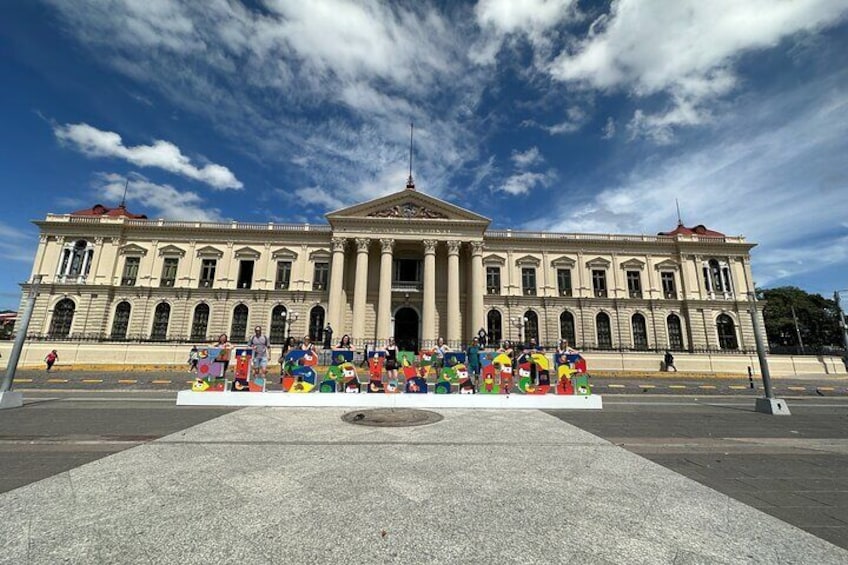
x: 818, y: 317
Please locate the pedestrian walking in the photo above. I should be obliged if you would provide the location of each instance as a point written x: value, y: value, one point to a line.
x: 51, y: 358
x: 669, y: 361
x: 193, y: 359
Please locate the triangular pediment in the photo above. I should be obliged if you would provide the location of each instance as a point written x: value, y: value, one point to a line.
x: 133, y: 249
x: 172, y: 250
x: 209, y: 251
x: 407, y: 205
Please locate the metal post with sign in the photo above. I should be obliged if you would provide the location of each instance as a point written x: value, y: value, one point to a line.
x: 8, y: 398
x: 768, y: 404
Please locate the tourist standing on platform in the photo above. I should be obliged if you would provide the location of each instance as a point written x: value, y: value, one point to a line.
x: 260, y: 346
x: 391, y: 359
x: 288, y: 345
x: 562, y: 350
x: 345, y: 343
x: 225, y: 346
x: 307, y: 344
x: 51, y: 358
x: 472, y: 355
x: 193, y: 359
x: 439, y: 354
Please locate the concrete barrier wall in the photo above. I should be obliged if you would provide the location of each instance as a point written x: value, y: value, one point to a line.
x: 71, y: 354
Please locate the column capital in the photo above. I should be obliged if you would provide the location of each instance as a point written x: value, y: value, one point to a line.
x: 339, y: 244
x: 476, y: 248
x: 430, y: 246
x: 388, y: 245
x: 362, y: 244
x: 453, y: 246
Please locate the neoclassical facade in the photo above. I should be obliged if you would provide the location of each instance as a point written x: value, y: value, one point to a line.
x: 406, y: 265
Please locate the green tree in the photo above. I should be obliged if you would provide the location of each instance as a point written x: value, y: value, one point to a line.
x: 818, y: 319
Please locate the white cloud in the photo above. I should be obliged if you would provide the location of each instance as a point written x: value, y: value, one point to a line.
x: 522, y: 183
x: 161, y: 154
x: 685, y: 48
x: 609, y: 129
x: 16, y: 245
x: 527, y: 158
x: 773, y: 171
x: 163, y: 200
x: 315, y: 196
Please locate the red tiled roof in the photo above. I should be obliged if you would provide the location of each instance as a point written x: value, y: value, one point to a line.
x: 700, y: 229
x: 101, y: 210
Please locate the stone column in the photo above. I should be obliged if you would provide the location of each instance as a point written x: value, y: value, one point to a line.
x: 384, y: 304
x: 475, y: 309
x: 453, y: 334
x: 360, y: 288
x: 334, y: 317
x: 428, y: 318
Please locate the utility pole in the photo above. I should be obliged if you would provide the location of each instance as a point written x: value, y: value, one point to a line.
x: 769, y: 404
x: 9, y: 399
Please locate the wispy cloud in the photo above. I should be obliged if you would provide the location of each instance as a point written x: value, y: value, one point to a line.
x: 161, y: 154
x: 163, y: 200
x: 16, y: 245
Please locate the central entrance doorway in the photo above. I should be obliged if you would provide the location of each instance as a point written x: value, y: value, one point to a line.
x: 406, y: 329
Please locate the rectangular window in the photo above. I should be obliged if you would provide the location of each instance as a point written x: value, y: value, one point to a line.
x: 130, y: 271
x: 407, y: 270
x: 319, y: 279
x: 564, y: 282
x: 634, y: 284
x: 283, y: 274
x: 169, y: 271
x: 245, y: 276
x: 599, y: 282
x: 207, y: 273
x: 493, y: 280
x: 528, y: 281
x: 668, y: 286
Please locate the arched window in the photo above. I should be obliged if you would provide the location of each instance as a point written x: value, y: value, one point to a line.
x: 199, y: 322
x: 161, y: 316
x: 531, y: 326
x: 238, y: 329
x: 602, y: 322
x: 121, y: 321
x: 715, y: 276
x: 316, y: 324
x: 494, y: 329
x: 640, y: 331
x: 277, y: 333
x: 675, y: 332
x: 76, y: 259
x: 566, y: 327
x: 726, y: 332
x: 63, y: 317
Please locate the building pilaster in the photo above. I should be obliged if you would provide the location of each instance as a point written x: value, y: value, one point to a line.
x: 475, y: 311
x: 453, y: 334
x: 336, y: 276
x: 428, y: 319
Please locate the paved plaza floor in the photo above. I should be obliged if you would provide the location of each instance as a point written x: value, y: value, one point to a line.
x: 270, y: 485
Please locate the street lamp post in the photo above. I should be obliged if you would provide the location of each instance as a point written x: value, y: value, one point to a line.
x: 842, y: 324
x: 768, y: 404
x: 9, y: 399
x: 519, y: 322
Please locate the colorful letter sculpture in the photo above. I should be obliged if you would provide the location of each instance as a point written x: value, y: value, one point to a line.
x: 241, y: 379
x: 297, y: 368
x: 210, y: 370
x: 454, y: 358
x: 571, y: 375
x: 466, y: 386
x: 533, y: 374
x: 350, y: 381
x: 416, y: 385
x: 340, y: 356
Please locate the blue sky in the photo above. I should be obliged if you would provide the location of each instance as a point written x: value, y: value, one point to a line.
x: 543, y: 115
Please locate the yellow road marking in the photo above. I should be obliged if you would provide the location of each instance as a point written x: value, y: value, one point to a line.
x: 826, y: 388
x: 737, y: 387
x: 615, y: 386
x: 161, y: 382
x: 676, y: 386
x: 648, y: 386
x: 796, y: 388
x: 57, y: 380
x: 707, y: 386
x: 23, y: 380
x: 189, y: 382
x: 127, y: 382
x: 92, y: 380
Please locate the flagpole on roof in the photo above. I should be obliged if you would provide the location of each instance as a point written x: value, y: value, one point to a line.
x: 410, y: 184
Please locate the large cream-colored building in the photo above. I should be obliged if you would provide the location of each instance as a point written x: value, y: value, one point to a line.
x: 407, y: 264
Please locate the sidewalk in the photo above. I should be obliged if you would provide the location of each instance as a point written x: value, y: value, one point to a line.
x: 295, y: 486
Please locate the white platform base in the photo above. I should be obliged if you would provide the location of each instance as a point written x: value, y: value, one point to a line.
x: 11, y: 400
x: 366, y: 400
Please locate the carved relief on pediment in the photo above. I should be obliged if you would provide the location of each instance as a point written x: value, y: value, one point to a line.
x: 408, y: 210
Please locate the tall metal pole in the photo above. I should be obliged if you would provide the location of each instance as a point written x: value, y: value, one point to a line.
x: 842, y: 322
x: 15, y: 356
x: 761, y: 353
x: 797, y: 330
